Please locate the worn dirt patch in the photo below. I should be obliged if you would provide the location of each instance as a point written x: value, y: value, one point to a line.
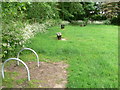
x: 48, y: 75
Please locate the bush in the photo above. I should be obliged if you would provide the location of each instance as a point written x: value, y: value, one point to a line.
x: 31, y: 29
x: 76, y: 22
x: 97, y: 22
x: 85, y: 21
x: 52, y: 22
x: 115, y: 21
x: 15, y: 34
x: 11, y: 38
x: 65, y: 22
x: 107, y: 22
x: 98, y: 17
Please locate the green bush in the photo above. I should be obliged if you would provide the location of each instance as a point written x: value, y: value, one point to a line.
x: 115, y: 21
x: 52, y: 22
x: 13, y: 17
x: 15, y: 34
x: 107, y: 22
x: 65, y: 22
x: 98, y: 17
x: 17, y: 29
x: 85, y: 21
x: 11, y: 38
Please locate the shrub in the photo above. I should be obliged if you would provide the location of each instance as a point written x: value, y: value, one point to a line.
x: 76, y: 22
x: 97, y: 22
x: 11, y: 38
x: 65, y: 22
x: 15, y: 34
x: 31, y: 29
x: 115, y: 21
x: 52, y: 22
x: 85, y: 20
x: 107, y: 22
x: 98, y: 17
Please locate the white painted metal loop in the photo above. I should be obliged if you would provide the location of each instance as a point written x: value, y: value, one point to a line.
x: 30, y: 50
x: 28, y: 72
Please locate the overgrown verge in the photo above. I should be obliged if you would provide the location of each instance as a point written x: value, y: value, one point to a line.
x: 15, y: 34
x: 19, y: 23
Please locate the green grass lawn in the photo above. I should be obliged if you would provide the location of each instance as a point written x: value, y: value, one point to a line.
x: 91, y: 52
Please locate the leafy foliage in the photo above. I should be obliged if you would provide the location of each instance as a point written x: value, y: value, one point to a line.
x: 107, y: 22
x: 11, y: 34
x: 17, y: 16
x: 42, y: 11
x: 13, y: 10
x: 110, y: 9
x: 70, y: 10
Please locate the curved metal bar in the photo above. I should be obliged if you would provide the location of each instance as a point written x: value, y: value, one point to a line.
x: 30, y: 50
x: 19, y: 61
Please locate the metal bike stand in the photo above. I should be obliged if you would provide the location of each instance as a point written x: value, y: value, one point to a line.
x: 19, y: 61
x: 30, y: 50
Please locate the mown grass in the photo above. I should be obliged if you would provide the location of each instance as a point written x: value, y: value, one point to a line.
x: 91, y: 52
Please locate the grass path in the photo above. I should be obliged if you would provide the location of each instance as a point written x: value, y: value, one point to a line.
x: 91, y: 52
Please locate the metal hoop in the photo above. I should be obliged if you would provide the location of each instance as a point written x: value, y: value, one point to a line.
x: 19, y: 61
x: 30, y: 50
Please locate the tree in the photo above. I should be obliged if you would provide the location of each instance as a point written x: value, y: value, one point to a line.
x: 42, y: 11
x: 70, y: 10
x: 110, y: 10
x: 13, y: 10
